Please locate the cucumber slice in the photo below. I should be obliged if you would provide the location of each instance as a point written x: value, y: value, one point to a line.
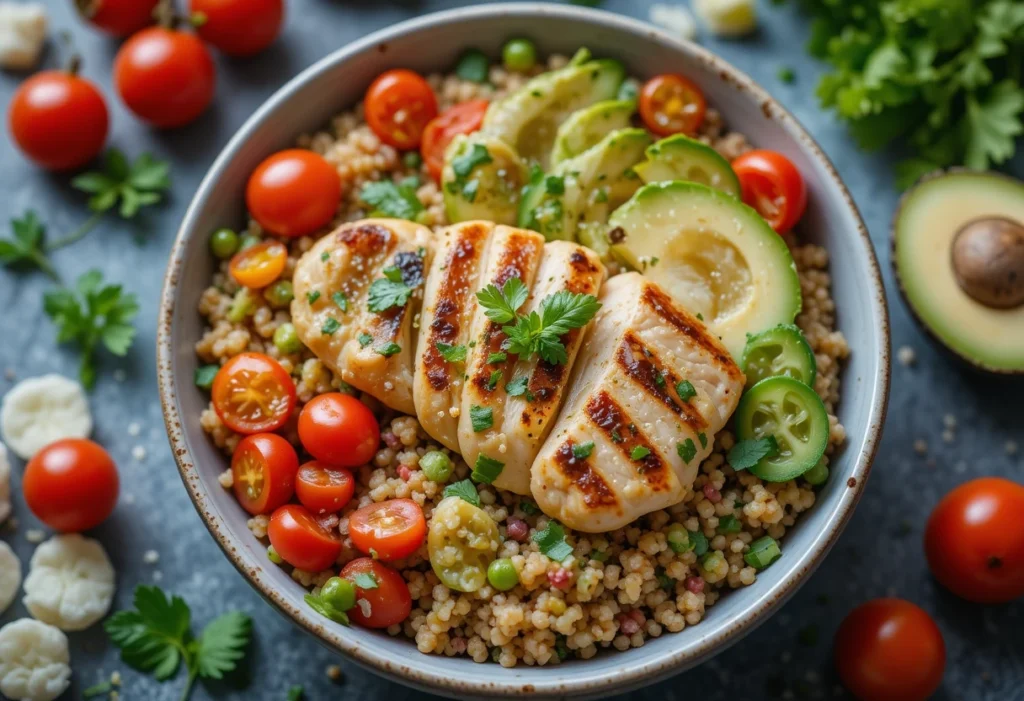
x: 682, y: 158
x: 792, y: 413
x: 781, y: 351
x: 585, y: 128
x: 482, y: 179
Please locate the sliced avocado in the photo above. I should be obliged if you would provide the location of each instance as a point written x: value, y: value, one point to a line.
x: 586, y: 127
x: 482, y: 179
x: 682, y: 158
x: 958, y: 251
x: 714, y: 254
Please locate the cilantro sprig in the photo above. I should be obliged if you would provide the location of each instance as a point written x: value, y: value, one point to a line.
x: 747, y: 453
x: 27, y: 246
x: 127, y: 186
x: 391, y: 199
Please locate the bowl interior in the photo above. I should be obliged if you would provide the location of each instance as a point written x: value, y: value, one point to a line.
x: 433, y: 43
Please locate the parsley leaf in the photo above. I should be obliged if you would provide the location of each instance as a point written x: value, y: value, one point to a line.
x: 495, y: 358
x: 486, y: 469
x: 746, y: 454
x: 395, y: 200
x: 464, y: 164
x: 519, y: 386
x: 452, y: 354
x: 366, y: 580
x: 501, y: 306
x: 582, y: 451
x: 482, y: 418
x: 388, y: 349
x: 340, y: 300
x: 25, y: 247
x: 385, y: 294
x: 364, y: 339
x: 494, y: 379
x: 135, y: 185
x: 330, y: 326
x: 535, y: 332
x: 551, y: 542
x: 464, y: 490
x: 313, y: 296
x: 685, y: 390
x: 687, y: 450
x: 703, y: 438
x: 639, y: 452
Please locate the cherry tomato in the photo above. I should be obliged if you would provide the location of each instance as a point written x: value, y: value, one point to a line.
x: 166, y: 77
x: 975, y: 541
x: 671, y: 104
x: 323, y: 489
x: 463, y: 118
x: 264, y: 467
x: 71, y: 485
x: 239, y: 27
x: 386, y: 605
x: 392, y: 529
x: 773, y: 186
x: 890, y: 650
x: 58, y: 120
x: 252, y: 393
x: 339, y: 430
x: 118, y: 17
x: 258, y: 266
x: 293, y: 193
x: 398, y: 107
x: 301, y: 540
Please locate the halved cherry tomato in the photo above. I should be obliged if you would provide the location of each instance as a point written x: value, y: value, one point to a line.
x: 890, y: 650
x: 773, y: 186
x: 293, y: 193
x: 323, y: 489
x: 258, y: 266
x: 463, y: 118
x: 671, y: 104
x: 264, y: 467
x: 975, y: 541
x: 339, y: 430
x: 71, y: 485
x: 252, y: 393
x: 239, y: 27
x: 387, y: 604
x: 389, y: 530
x: 398, y: 107
x: 301, y: 540
x: 118, y: 17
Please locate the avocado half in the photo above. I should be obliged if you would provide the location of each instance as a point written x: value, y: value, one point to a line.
x: 958, y: 253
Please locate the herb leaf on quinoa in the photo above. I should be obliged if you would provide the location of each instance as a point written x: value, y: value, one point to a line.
x: 745, y: 454
x: 464, y: 490
x: 486, y: 469
x: 551, y: 542
x: 395, y: 200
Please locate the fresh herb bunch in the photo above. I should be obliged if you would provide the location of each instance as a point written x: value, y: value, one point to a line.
x: 943, y: 75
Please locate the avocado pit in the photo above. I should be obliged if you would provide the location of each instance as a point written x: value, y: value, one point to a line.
x: 988, y: 261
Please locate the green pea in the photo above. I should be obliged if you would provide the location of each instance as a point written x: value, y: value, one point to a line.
x: 473, y: 66
x: 817, y: 475
x: 338, y: 593
x: 224, y: 243
x: 286, y: 339
x: 273, y: 556
x: 502, y: 574
x: 412, y: 160
x: 519, y: 55
x: 436, y: 466
x: 280, y: 294
x: 678, y: 538
x: 248, y: 241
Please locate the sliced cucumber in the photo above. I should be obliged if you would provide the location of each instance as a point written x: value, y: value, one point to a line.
x: 482, y: 179
x: 791, y: 412
x: 586, y: 127
x: 682, y: 158
x: 781, y: 351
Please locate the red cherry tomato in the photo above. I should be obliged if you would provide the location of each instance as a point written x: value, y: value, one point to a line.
x: 258, y: 266
x: 264, y: 467
x: 398, y: 107
x: 773, y: 186
x: 301, y: 540
x: 463, y: 118
x: 975, y: 541
x: 293, y: 193
x: 323, y: 489
x: 166, y: 77
x: 890, y: 650
x: 252, y: 393
x: 71, y: 485
x: 118, y: 17
x: 388, y: 604
x: 239, y: 27
x: 392, y: 529
x: 58, y: 120
x: 671, y: 104
x: 339, y: 430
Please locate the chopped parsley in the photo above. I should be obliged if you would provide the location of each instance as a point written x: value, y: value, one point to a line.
x: 500, y: 357
x: 703, y: 438
x: 464, y: 490
x: 393, y: 273
x: 204, y: 376
x: 529, y: 508
x: 395, y: 200
x: 330, y: 326
x: 364, y: 339
x: 729, y: 524
x: 745, y: 454
x: 452, y: 354
x: 464, y: 165
x: 687, y: 450
x: 486, y: 469
x: 639, y: 452
x: 494, y: 379
x: 551, y: 542
x: 313, y: 296
x: 582, y: 451
x: 366, y: 580
x: 616, y: 436
x: 325, y: 256
x: 481, y: 417
x: 554, y: 185
x: 659, y: 379
x: 386, y: 293
x: 519, y: 386
x: 685, y: 390
x: 341, y: 300
x: 388, y: 349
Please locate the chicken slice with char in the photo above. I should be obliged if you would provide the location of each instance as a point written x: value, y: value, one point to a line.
x: 372, y: 351
x: 624, y: 399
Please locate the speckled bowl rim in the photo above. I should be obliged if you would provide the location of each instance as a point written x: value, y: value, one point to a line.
x: 618, y: 674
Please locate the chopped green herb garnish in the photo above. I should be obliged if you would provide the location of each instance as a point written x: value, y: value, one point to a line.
x: 700, y: 316
x: 325, y: 256
x: 464, y: 490
x: 464, y: 164
x: 313, y: 296
x: 366, y: 580
x: 470, y: 190
x: 395, y: 200
x: 519, y: 386
x: 582, y: 451
x: 659, y: 379
x: 551, y: 542
x: 385, y: 294
x: 700, y: 543
x: 452, y: 354
x: 330, y: 326
x: 204, y: 376
x: 499, y: 357
x: 554, y: 185
x: 494, y: 379
x: 529, y: 508
x: 745, y: 454
x: 703, y: 438
x: 481, y: 417
x: 340, y: 300
x: 639, y: 452
x: 501, y: 306
x: 685, y: 390
x: 389, y: 349
x: 616, y: 436
x: 486, y: 469
x: 393, y: 273
x: 687, y: 450
x: 364, y: 339
x: 729, y: 524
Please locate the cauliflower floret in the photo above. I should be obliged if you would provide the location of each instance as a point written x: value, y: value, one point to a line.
x: 10, y: 576
x: 22, y: 34
x: 34, y: 661
x: 70, y: 582
x: 5, y: 484
x: 728, y: 18
x: 41, y: 410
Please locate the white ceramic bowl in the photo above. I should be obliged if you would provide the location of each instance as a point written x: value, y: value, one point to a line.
x: 433, y: 43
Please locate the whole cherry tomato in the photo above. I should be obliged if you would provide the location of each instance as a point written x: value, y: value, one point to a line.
x: 238, y: 27
x: 252, y: 393
x: 389, y: 530
x: 463, y: 118
x: 58, y: 120
x: 398, y: 107
x: 258, y: 266
x: 263, y: 467
x: 339, y: 430
x: 301, y: 540
x: 975, y: 541
x: 890, y: 650
x: 165, y: 76
x: 323, y: 489
x: 388, y: 604
x: 773, y: 186
x: 293, y: 193
x: 672, y: 104
x: 71, y: 485
x: 118, y: 17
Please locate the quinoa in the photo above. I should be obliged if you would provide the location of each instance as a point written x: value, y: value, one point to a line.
x: 617, y: 589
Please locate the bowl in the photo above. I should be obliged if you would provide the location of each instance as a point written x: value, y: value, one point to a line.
x: 433, y: 43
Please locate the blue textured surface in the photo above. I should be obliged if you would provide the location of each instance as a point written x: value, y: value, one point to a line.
x: 879, y: 554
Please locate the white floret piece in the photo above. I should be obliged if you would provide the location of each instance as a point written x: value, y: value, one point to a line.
x: 674, y: 18
x: 70, y: 582
x: 5, y: 484
x: 727, y: 17
x: 41, y: 410
x: 10, y: 576
x: 35, y: 663
x: 22, y: 34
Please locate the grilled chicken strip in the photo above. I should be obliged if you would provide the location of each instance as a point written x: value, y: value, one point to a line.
x: 629, y: 439
x: 371, y: 350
